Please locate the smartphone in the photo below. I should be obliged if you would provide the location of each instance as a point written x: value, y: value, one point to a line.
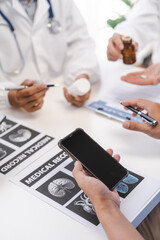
x: 80, y: 146
x: 2, y: 118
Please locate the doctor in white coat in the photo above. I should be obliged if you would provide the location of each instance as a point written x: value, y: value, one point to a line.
x: 42, y: 53
x: 143, y: 25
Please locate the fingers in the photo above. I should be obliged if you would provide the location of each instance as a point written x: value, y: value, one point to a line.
x: 78, y: 100
x: 31, y: 99
x: 78, y: 173
x: 115, y: 46
x: 28, y: 82
x: 24, y: 100
x: 34, y: 106
x: 135, y: 126
x: 140, y: 104
x: 32, y: 90
x: 116, y: 156
x: 135, y: 45
x: 113, y: 54
x: 132, y: 76
x: 156, y: 79
x: 135, y: 78
x: 78, y: 167
x: 110, y: 151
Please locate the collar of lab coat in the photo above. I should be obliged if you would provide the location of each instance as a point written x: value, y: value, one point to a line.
x: 42, y: 8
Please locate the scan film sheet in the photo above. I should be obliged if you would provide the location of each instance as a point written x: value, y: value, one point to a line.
x: 20, y: 145
x: 50, y: 179
x: 33, y: 161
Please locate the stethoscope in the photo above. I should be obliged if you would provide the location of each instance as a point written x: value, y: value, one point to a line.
x: 53, y: 25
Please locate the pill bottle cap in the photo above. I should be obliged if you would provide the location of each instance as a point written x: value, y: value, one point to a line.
x: 80, y: 87
x: 127, y: 39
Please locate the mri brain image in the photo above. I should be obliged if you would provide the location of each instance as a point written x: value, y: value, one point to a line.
x: 22, y: 135
x: 60, y: 187
x: 3, y: 153
x: 130, y: 179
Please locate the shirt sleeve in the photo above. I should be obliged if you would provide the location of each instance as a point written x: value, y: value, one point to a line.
x: 142, y: 23
x: 80, y: 58
x: 4, y: 101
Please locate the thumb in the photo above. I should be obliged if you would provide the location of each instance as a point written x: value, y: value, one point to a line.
x: 78, y: 171
x: 135, y: 126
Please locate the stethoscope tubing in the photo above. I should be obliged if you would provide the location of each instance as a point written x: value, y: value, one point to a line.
x: 50, y: 11
x: 8, y: 21
x: 51, y: 14
x: 54, y: 27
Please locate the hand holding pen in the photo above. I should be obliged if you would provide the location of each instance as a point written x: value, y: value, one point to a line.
x: 28, y: 96
x: 21, y: 87
x: 153, y: 115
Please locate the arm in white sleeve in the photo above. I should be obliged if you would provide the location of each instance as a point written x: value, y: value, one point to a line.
x: 142, y: 23
x: 80, y: 57
x: 4, y: 101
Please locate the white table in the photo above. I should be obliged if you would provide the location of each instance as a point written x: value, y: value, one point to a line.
x: 23, y: 216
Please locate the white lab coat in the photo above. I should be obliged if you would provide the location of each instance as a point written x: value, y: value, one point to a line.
x: 47, y: 55
x: 143, y: 25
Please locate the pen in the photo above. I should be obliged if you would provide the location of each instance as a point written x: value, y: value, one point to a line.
x: 148, y: 119
x: 24, y: 86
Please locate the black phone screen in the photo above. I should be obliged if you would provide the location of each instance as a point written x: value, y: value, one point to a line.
x: 94, y: 158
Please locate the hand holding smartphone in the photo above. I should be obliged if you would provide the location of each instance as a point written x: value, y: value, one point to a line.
x: 80, y: 146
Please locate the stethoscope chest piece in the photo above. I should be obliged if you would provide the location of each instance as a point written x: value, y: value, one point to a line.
x: 54, y: 26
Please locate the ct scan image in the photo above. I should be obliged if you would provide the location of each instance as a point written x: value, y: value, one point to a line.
x: 83, y: 207
x: 20, y: 135
x: 6, y: 125
x: 60, y: 188
x: 4, y: 151
x: 128, y: 184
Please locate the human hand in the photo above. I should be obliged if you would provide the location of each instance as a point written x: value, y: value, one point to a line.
x: 97, y: 192
x: 115, y: 47
x: 150, y: 76
x: 31, y: 98
x: 153, y: 111
x: 78, y: 100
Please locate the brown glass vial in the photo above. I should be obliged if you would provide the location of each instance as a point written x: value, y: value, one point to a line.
x: 129, y: 55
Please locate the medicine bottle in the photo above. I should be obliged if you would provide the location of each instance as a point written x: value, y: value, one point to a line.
x: 80, y: 87
x: 129, y: 55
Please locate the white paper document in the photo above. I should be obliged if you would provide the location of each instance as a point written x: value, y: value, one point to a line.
x: 33, y: 161
x: 108, y: 103
x: 124, y: 91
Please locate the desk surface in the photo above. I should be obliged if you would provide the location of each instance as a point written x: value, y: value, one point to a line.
x: 24, y: 216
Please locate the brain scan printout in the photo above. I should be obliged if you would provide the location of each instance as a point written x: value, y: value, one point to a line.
x: 6, y: 125
x: 83, y: 207
x: 60, y: 188
x: 5, y: 151
x: 20, y: 135
x: 128, y: 184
